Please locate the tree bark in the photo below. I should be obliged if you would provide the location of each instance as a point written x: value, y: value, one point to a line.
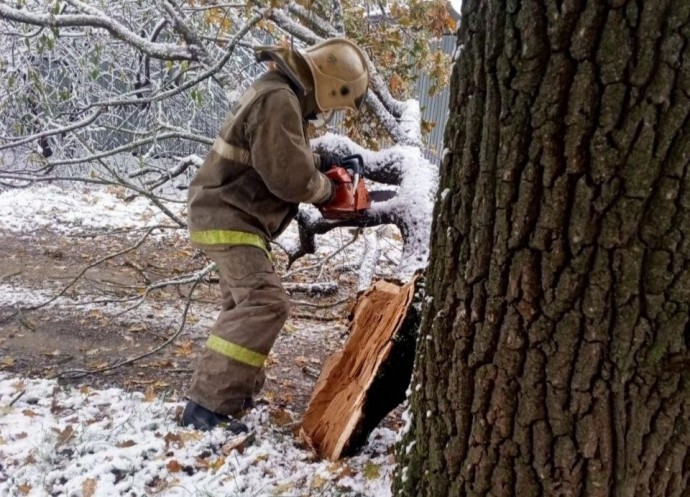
x: 553, y: 353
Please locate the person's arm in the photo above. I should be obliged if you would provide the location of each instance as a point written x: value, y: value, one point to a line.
x: 280, y: 152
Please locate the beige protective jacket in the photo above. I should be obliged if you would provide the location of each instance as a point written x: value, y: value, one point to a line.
x: 259, y: 169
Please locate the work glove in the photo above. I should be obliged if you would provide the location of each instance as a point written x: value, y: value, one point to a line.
x: 328, y: 161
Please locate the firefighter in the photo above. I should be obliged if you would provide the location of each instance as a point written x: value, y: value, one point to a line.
x: 259, y: 169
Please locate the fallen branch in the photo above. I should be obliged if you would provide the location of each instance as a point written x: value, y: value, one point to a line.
x: 325, y: 288
x: 79, y: 373
x: 320, y: 306
x: 83, y: 271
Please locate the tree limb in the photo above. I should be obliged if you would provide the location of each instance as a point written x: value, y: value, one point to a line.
x: 96, y: 19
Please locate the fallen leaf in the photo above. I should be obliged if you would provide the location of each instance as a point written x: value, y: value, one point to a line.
x: 164, y: 363
x: 8, y: 362
x: 126, y: 443
x: 29, y: 413
x: 217, y: 464
x: 137, y: 328
x: 174, y: 439
x: 318, y: 482
x: 173, y: 466
x: 184, y: 348
x: 371, y: 471
x: 239, y: 444
x: 55, y: 407
x: 24, y: 489
x: 21, y: 436
x: 150, y: 394
x: 85, y: 390
x: 281, y: 417
x: 192, y: 436
x: 88, y: 488
x: 18, y: 386
x: 64, y: 435
x: 346, y: 472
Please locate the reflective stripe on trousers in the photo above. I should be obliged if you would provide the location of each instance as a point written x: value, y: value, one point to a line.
x: 234, y: 351
x: 229, y: 237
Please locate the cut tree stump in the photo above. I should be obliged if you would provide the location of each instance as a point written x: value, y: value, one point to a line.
x: 360, y: 384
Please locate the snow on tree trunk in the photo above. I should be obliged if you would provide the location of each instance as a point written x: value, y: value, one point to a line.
x: 553, y: 353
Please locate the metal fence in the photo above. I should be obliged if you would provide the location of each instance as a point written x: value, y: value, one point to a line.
x: 435, y: 108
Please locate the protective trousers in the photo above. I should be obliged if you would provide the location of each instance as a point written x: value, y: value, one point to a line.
x: 254, y: 309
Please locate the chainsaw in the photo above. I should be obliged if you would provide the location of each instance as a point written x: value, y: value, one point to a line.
x: 351, y: 195
x: 352, y: 199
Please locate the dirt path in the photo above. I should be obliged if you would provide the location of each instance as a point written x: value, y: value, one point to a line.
x: 65, y: 336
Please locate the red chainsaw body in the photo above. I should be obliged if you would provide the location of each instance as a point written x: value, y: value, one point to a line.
x: 350, y: 199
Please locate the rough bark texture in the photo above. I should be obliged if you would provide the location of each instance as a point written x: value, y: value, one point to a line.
x: 553, y: 358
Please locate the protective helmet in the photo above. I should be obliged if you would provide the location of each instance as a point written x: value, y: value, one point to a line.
x: 340, y: 74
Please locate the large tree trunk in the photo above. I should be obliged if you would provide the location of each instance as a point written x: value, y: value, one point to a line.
x: 553, y: 353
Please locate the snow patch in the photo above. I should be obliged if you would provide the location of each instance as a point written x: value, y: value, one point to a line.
x: 77, y: 210
x: 59, y: 440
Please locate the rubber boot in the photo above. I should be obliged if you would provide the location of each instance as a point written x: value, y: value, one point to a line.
x: 205, y: 420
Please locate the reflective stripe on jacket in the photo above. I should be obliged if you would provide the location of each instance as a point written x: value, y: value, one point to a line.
x: 257, y: 172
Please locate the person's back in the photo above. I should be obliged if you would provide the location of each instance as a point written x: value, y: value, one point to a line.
x: 259, y: 169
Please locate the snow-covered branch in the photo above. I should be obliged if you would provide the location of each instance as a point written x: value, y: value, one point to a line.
x: 410, y: 209
x: 15, y: 142
x: 96, y: 19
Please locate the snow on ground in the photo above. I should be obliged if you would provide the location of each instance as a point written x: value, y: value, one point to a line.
x: 82, y: 442
x: 60, y: 441
x: 75, y: 210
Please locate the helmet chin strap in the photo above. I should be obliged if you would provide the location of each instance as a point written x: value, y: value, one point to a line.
x: 321, y: 119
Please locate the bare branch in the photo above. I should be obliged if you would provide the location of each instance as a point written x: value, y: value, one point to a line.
x: 321, y: 288
x: 313, y: 20
x: 92, y: 265
x: 128, y: 147
x: 338, y: 18
x: 233, y: 43
x: 78, y: 373
x: 78, y: 125
x: 180, y: 25
x: 96, y: 19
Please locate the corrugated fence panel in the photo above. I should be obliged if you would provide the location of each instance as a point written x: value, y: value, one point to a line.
x: 435, y: 108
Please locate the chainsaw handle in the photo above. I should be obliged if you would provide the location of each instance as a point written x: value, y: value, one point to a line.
x: 354, y: 159
x: 350, y: 161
